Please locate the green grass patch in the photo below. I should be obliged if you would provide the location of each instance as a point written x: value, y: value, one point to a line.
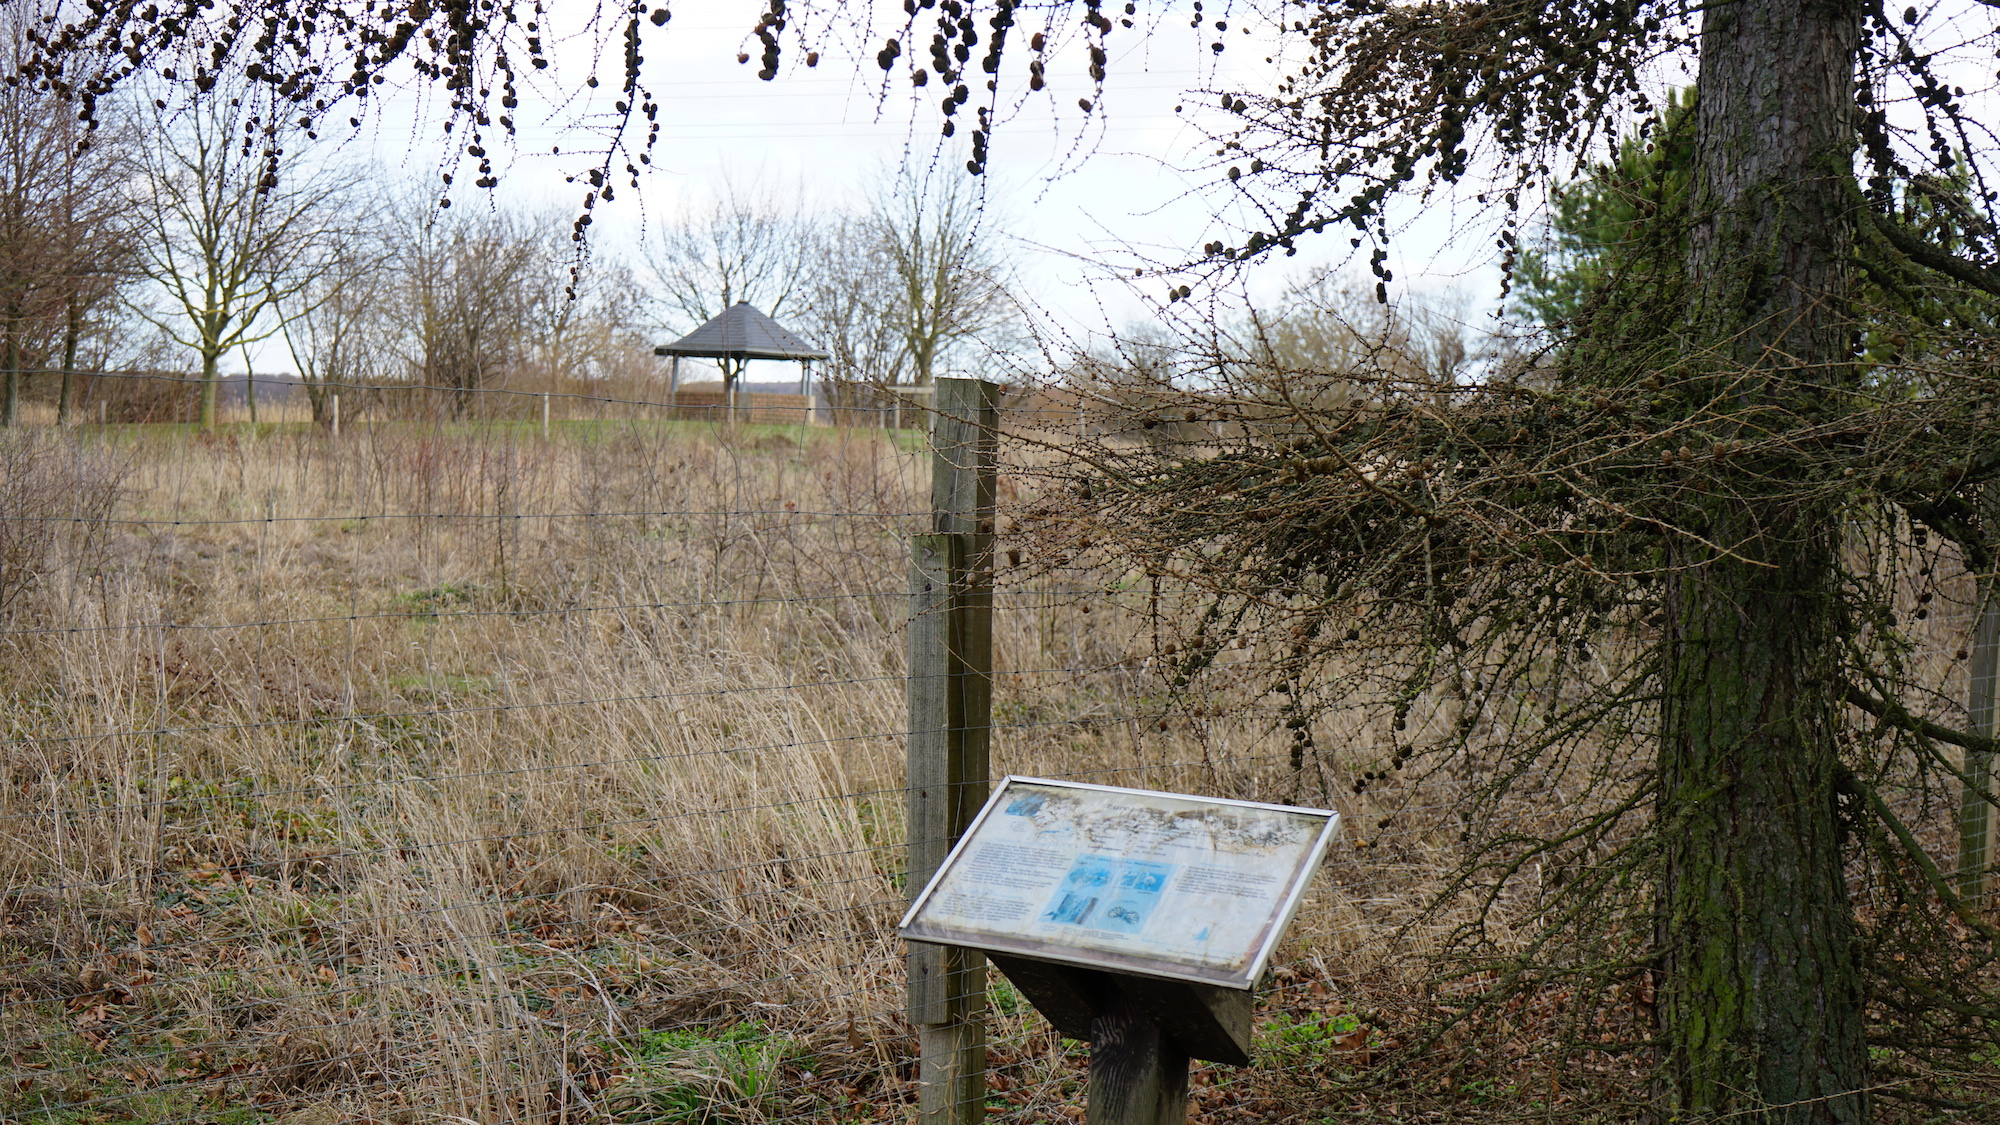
x: 701, y: 1078
x: 1284, y: 1039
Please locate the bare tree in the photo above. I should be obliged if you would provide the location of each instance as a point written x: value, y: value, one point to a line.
x: 1325, y: 326
x: 63, y: 237
x: 584, y: 317
x: 917, y: 281
x: 32, y: 146
x: 950, y: 268
x: 234, y: 222
x: 851, y: 302
x: 334, y: 325
x: 96, y: 238
x: 461, y: 281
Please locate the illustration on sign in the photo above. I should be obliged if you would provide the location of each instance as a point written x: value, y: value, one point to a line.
x: 1127, y: 879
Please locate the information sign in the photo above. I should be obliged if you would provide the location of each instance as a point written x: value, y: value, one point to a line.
x: 1126, y: 880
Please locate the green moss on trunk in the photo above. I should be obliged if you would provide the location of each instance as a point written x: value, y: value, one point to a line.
x: 1761, y: 1003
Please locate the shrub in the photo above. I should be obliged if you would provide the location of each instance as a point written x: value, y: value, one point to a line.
x: 55, y: 498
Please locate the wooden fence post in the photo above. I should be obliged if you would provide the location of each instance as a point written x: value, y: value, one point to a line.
x: 1975, y: 814
x: 951, y: 696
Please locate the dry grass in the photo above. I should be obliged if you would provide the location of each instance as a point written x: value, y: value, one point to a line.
x: 455, y: 774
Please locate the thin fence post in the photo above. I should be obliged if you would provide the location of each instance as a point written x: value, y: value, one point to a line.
x: 1975, y: 811
x: 951, y: 696
x: 336, y: 415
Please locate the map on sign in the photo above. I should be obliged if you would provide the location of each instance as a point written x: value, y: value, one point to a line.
x: 1159, y: 884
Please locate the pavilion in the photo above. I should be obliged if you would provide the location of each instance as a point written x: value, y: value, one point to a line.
x: 740, y: 334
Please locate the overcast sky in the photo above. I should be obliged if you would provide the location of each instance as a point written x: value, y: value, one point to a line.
x: 1083, y: 197
x: 1080, y: 195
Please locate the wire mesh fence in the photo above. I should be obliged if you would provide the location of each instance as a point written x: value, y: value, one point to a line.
x: 490, y: 765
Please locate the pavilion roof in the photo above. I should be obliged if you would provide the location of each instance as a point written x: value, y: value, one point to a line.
x: 742, y: 332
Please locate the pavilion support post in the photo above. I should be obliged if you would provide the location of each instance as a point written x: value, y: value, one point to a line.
x: 673, y: 384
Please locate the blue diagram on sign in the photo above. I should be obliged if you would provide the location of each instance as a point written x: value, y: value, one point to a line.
x: 1026, y: 806
x: 1071, y: 909
x: 1126, y: 890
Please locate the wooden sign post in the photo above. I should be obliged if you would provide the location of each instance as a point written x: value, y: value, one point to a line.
x: 1136, y: 920
x: 1141, y: 1031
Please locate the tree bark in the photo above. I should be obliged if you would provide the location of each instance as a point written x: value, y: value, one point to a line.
x: 10, y: 395
x: 72, y: 331
x: 208, y: 387
x: 316, y: 395
x: 1761, y: 1002
x: 249, y: 385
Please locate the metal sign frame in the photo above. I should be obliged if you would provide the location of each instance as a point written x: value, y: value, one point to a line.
x: 912, y: 929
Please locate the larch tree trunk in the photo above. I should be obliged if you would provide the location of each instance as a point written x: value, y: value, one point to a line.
x: 1761, y: 1003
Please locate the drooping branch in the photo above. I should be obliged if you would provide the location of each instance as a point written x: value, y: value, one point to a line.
x: 1914, y: 850
x: 1896, y: 715
x: 1937, y: 258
